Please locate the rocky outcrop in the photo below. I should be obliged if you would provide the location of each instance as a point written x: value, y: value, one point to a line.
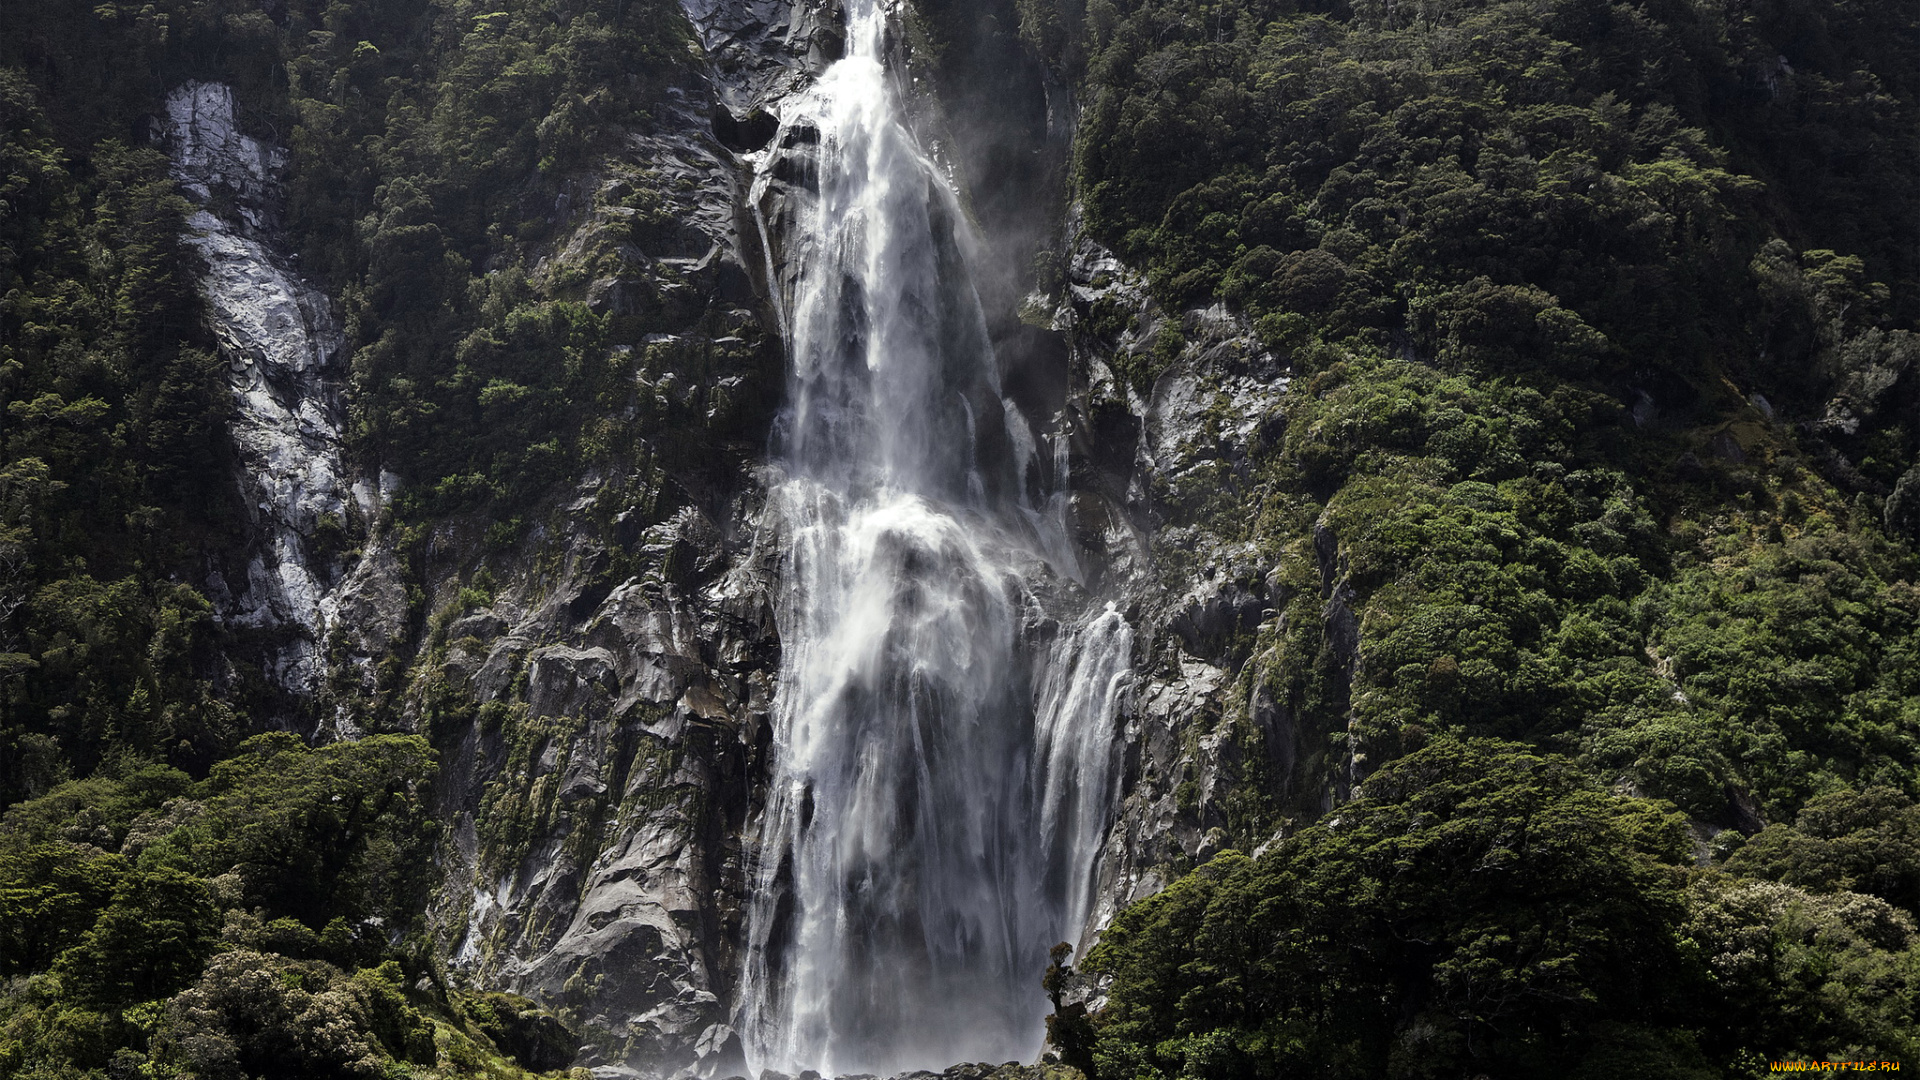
x: 599, y: 686
x: 600, y: 786
x: 603, y: 714
x: 600, y: 715
x: 1864, y: 369
x: 281, y: 339
x: 1162, y: 479
x: 762, y: 51
x: 607, y: 778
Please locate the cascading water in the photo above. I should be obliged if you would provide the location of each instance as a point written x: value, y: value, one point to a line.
x: 943, y: 748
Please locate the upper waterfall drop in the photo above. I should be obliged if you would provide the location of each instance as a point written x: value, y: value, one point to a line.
x: 943, y: 746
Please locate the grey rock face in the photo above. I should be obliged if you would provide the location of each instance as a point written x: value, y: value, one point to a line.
x: 1865, y: 369
x: 211, y: 154
x: 764, y: 50
x: 1155, y: 477
x: 607, y: 787
x: 1012, y: 1070
x: 281, y: 339
x: 607, y: 751
x: 600, y: 794
x: 603, y: 717
x: 603, y: 791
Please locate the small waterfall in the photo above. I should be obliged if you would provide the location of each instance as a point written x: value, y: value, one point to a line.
x: 943, y: 746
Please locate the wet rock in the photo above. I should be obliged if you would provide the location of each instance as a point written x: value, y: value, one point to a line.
x: 746, y: 133
x: 601, y: 778
x: 647, y: 765
x: 1326, y: 550
x: 1343, y: 629
x: 1012, y: 1070
x: 618, y: 713
x: 210, y: 153
x: 565, y: 681
x: 1172, y: 457
x: 1275, y: 723
x: 1214, y: 620
x: 280, y: 337
x: 763, y: 50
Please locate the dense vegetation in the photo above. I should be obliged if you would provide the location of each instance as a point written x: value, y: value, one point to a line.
x: 113, y: 430
x: 176, y: 898
x: 260, y: 922
x: 1599, y: 316
x: 1601, y: 448
x: 439, y: 156
x: 1482, y: 909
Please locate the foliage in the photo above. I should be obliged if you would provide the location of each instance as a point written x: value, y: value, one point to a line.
x: 532, y: 1035
x: 441, y: 156
x: 1600, y: 320
x: 455, y: 185
x: 1512, y: 577
x: 1597, y: 380
x: 149, y: 941
x: 110, y: 458
x: 53, y: 894
x: 462, y: 177
x: 259, y: 1015
x: 1600, y: 376
x: 1804, y: 977
x: 1805, y: 646
x: 1843, y: 840
x: 217, y: 926
x: 1564, y: 178
x: 1480, y: 908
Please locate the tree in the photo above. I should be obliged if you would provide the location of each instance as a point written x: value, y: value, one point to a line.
x: 1480, y: 908
x: 153, y: 939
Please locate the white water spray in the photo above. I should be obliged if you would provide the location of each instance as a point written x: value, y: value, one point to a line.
x: 943, y: 748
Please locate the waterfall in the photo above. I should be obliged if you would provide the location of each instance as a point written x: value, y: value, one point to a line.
x: 943, y: 743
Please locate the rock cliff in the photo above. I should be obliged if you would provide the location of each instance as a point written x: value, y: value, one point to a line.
x: 598, y: 684
x: 281, y: 339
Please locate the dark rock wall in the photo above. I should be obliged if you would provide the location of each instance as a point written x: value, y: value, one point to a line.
x: 603, y: 715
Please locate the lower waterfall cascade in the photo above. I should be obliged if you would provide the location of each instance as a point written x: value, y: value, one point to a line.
x: 944, y: 746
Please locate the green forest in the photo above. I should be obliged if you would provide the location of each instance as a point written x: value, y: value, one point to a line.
x: 1600, y: 321
x: 182, y: 892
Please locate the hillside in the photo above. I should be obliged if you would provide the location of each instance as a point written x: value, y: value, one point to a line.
x: 1483, y: 435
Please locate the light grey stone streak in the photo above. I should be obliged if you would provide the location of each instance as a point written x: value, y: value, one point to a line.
x: 280, y: 338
